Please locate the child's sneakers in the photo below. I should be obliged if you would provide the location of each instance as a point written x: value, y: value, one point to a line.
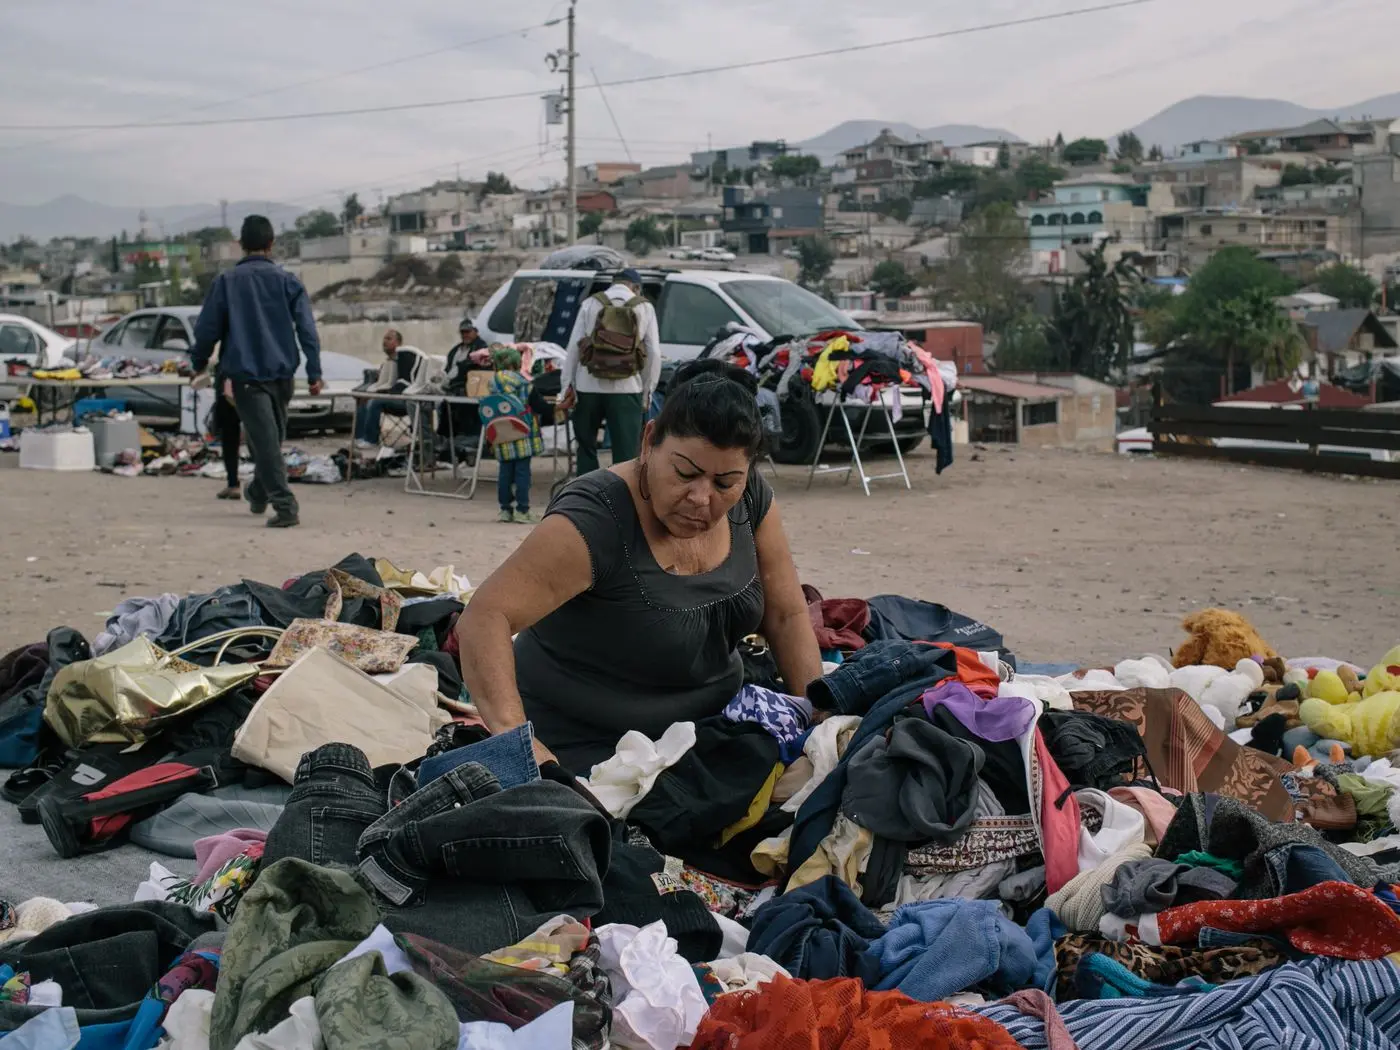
x: 506, y: 517
x: 525, y: 517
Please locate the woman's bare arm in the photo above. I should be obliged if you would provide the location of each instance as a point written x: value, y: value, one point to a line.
x: 785, y: 622
x: 550, y: 567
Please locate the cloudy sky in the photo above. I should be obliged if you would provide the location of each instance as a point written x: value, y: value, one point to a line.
x: 104, y: 61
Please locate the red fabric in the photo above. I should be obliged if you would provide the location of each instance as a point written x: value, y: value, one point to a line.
x: 160, y: 773
x: 837, y: 622
x: 972, y: 672
x: 841, y: 1015
x: 1059, y: 820
x: 1331, y: 918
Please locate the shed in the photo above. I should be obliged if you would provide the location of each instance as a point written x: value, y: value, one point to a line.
x: 1055, y: 409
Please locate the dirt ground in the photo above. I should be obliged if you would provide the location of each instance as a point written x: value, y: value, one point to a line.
x: 1075, y: 557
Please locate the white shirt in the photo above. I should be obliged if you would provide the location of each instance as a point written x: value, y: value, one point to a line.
x: 582, y: 380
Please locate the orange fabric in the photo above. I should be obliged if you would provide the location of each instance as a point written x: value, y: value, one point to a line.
x: 972, y: 672
x: 841, y: 1015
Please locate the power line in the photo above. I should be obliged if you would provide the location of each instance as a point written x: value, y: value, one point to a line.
x: 626, y: 82
x: 312, y: 80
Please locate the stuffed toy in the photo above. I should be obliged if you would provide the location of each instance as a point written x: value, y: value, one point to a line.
x: 1223, y: 695
x: 1332, y: 688
x: 1385, y: 676
x: 1371, y: 726
x: 1220, y: 638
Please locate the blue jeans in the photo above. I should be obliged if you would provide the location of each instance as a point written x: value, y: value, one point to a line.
x: 367, y: 421
x: 513, y: 472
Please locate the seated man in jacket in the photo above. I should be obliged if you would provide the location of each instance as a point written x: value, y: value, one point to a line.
x: 395, y: 375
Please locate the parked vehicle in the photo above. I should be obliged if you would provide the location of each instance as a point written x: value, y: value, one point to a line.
x: 716, y: 255
x: 682, y: 253
x: 166, y: 332
x: 24, y: 340
x: 692, y: 305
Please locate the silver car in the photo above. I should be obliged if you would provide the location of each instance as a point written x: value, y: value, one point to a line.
x: 166, y: 332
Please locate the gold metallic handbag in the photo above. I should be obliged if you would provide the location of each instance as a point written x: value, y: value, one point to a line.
x: 120, y: 696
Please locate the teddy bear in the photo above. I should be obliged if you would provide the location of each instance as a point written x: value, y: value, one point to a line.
x: 1221, y: 692
x: 1371, y: 726
x: 1220, y: 638
x: 1385, y: 676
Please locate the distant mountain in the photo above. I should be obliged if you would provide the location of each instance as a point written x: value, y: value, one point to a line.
x: 858, y: 132
x: 1213, y: 117
x: 71, y: 216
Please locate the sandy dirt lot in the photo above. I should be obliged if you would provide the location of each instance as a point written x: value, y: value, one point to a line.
x: 1073, y: 556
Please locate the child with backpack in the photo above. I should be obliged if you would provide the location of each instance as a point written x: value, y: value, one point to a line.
x: 513, y: 456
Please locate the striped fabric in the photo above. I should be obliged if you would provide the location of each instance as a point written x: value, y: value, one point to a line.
x: 1317, y: 1004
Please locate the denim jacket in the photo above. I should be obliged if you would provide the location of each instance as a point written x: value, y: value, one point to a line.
x: 259, y: 313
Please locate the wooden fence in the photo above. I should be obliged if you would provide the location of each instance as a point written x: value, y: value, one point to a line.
x: 1335, y: 441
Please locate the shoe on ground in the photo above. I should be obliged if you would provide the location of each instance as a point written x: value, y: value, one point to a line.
x: 525, y: 517
x: 505, y: 517
x: 233, y: 492
x: 365, y: 446
x: 283, y: 521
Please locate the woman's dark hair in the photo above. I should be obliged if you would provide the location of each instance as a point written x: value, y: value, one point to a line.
x: 714, y: 401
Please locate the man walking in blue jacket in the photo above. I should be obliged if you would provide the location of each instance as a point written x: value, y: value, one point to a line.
x: 261, y: 314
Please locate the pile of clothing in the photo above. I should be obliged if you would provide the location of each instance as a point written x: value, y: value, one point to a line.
x: 866, y: 367
x: 98, y: 368
x: 938, y: 845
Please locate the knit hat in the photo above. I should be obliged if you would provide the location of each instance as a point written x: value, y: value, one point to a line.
x: 505, y: 358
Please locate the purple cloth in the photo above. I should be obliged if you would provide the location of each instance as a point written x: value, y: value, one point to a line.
x: 998, y: 719
x: 214, y: 852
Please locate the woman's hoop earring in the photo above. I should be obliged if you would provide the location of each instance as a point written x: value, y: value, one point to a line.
x: 642, y: 487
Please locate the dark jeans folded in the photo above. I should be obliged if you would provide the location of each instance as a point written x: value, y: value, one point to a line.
x: 459, y: 860
x: 105, y: 960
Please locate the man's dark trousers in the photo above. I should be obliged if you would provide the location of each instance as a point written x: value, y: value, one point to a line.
x: 262, y: 405
x: 622, y: 413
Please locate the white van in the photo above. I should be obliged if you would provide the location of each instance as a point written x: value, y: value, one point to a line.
x: 693, y: 305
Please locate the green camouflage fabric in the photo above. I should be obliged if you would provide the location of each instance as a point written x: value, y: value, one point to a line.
x: 297, y: 921
x: 361, y: 1007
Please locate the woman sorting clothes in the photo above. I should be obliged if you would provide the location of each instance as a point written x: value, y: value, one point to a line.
x: 630, y: 599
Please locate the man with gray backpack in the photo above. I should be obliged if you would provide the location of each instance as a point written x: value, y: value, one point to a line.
x: 612, y: 367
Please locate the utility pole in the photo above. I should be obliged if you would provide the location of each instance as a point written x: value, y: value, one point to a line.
x: 572, y: 193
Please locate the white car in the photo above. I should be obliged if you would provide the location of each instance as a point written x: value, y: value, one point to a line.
x: 692, y: 306
x: 167, y: 332
x: 716, y: 255
x: 682, y: 253
x: 30, y: 342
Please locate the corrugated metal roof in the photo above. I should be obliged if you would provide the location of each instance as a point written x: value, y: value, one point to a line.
x: 1012, y: 388
x: 1280, y: 393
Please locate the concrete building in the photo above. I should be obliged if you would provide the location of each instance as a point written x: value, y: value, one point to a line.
x: 1342, y: 339
x: 1222, y: 182
x: 1038, y: 409
x: 978, y: 155
x: 1083, y: 211
x: 1206, y: 150
x: 446, y: 213
x: 1377, y: 180
x: 605, y: 173
x: 757, y: 154
x: 889, y: 146
x: 765, y: 224
x: 672, y: 182
x: 1194, y: 236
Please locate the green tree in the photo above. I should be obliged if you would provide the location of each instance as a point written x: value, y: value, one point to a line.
x: 589, y: 223
x: 733, y: 176
x: 643, y: 235
x: 1129, y: 147
x: 148, y: 271
x: 1091, y: 325
x: 496, y: 182
x: 1024, y: 346
x: 317, y: 223
x: 208, y: 236
x: 1035, y: 176
x: 981, y: 279
x: 955, y: 178
x: 1327, y: 175
x: 1085, y: 151
x: 1226, y: 319
x: 1059, y: 140
x: 796, y: 166
x: 1004, y: 157
x: 1155, y: 153
x: 450, y: 270
x: 352, y: 209
x: 892, y: 280
x: 814, y: 259
x: 1122, y: 167
x: 1295, y: 175
x: 1354, y: 287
